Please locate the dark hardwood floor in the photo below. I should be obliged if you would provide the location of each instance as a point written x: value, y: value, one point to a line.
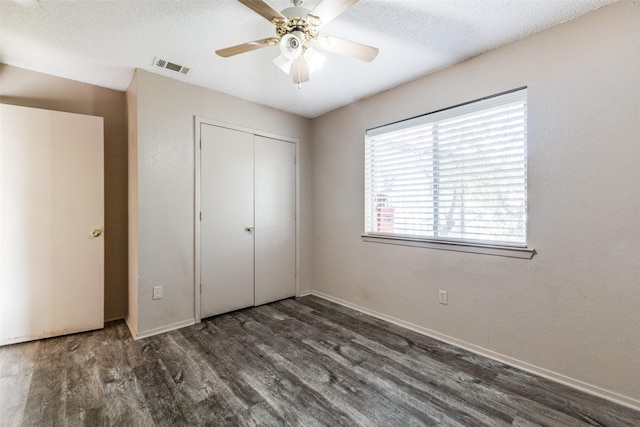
x: 303, y: 362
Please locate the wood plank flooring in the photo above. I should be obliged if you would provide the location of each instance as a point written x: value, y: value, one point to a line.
x: 297, y: 362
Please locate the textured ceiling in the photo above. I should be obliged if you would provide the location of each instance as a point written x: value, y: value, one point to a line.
x: 102, y: 42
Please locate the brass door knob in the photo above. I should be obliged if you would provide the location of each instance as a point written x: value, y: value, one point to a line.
x: 249, y: 229
x: 96, y: 232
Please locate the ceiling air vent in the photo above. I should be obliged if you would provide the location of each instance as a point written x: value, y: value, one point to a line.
x: 163, y: 63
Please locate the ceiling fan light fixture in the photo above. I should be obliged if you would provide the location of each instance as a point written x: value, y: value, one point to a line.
x: 283, y: 63
x: 290, y: 47
x: 314, y: 59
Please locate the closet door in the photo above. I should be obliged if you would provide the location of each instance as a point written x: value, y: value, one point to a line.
x: 275, y: 220
x: 226, y: 198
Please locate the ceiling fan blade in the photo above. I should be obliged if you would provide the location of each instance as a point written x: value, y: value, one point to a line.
x: 300, y: 70
x: 348, y: 48
x: 327, y: 10
x: 247, y: 47
x: 262, y: 9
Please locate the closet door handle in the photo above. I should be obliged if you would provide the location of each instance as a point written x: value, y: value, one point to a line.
x: 249, y: 229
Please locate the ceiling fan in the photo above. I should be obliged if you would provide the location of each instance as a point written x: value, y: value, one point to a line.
x: 298, y: 32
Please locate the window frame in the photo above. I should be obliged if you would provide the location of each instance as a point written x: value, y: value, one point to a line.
x: 516, y: 250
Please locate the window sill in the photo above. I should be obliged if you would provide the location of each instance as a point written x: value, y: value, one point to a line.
x: 505, y: 251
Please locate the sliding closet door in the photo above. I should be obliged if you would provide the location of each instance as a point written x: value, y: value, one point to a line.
x: 226, y: 181
x: 275, y: 220
x: 247, y: 230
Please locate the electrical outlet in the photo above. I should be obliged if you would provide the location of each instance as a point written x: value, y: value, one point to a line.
x: 157, y: 292
x: 442, y: 297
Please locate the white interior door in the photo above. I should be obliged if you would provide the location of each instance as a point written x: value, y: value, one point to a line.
x: 275, y: 220
x: 51, y: 200
x: 226, y: 228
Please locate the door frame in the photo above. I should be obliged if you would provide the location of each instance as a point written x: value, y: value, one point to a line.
x: 198, y: 122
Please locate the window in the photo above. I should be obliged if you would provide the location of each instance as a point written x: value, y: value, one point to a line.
x: 457, y: 175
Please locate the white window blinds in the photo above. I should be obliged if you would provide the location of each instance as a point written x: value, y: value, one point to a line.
x: 457, y: 175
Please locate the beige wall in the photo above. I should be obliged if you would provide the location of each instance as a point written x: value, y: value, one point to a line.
x: 132, y: 120
x: 572, y: 312
x: 31, y: 89
x: 165, y: 190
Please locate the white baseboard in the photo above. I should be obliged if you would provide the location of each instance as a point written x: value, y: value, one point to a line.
x: 516, y: 363
x: 303, y: 294
x: 162, y: 329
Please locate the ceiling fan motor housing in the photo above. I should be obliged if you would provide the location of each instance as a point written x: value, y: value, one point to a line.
x: 298, y: 22
x: 296, y: 11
